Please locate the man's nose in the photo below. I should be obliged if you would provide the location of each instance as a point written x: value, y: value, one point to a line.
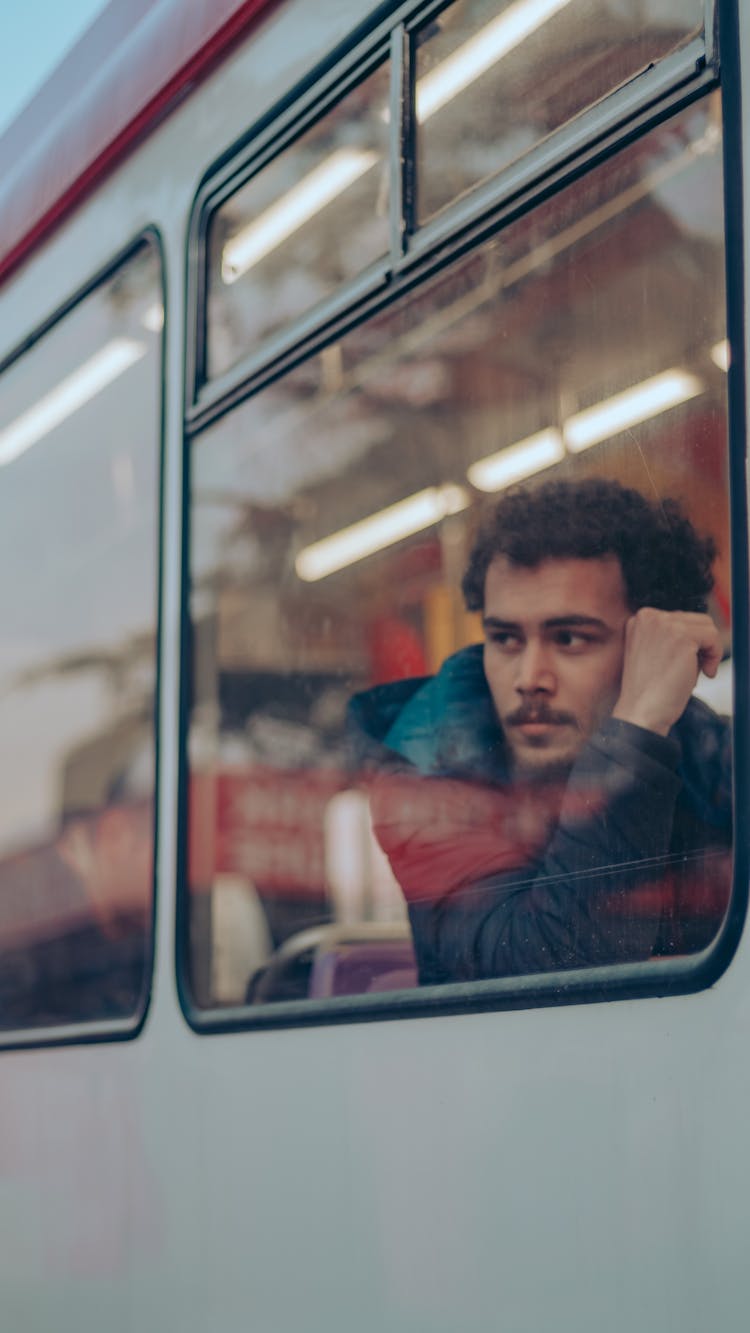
x: 535, y: 669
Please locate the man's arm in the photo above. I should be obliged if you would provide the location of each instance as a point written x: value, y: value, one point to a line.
x: 570, y: 908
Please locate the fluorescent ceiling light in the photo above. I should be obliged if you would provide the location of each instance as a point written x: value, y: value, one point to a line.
x: 483, y: 50
x: 640, y: 403
x: 337, y: 172
x: 153, y: 317
x: 517, y: 461
x: 720, y: 354
x: 379, y: 530
x: 67, y: 396
x: 318, y: 188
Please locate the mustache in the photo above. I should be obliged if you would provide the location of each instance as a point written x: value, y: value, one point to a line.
x: 539, y: 712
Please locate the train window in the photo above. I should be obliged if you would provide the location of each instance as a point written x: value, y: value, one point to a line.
x: 376, y: 802
x: 306, y: 224
x: 490, y: 85
x: 79, y: 464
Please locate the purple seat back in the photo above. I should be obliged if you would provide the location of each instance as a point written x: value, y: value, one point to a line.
x: 354, y: 968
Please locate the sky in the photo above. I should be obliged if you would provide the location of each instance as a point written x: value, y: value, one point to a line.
x: 34, y: 37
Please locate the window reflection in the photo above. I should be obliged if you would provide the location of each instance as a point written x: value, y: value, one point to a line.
x: 333, y: 516
x: 311, y: 220
x: 492, y: 80
x: 79, y: 462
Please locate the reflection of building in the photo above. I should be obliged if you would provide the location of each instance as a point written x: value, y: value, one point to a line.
x: 115, y: 765
x: 71, y: 946
x: 74, y: 910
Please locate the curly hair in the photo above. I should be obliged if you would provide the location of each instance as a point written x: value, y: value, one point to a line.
x: 665, y: 562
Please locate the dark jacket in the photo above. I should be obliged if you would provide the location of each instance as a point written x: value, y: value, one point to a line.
x: 628, y: 858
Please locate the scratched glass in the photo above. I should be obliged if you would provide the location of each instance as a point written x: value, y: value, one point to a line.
x: 332, y: 514
x: 493, y: 80
x: 301, y: 228
x: 79, y: 457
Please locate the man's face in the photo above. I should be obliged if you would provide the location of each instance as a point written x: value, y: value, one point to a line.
x: 554, y: 645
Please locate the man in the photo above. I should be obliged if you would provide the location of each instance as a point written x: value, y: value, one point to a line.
x: 557, y: 798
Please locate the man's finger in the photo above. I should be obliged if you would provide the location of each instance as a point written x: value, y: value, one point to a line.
x: 710, y: 650
x: 709, y: 658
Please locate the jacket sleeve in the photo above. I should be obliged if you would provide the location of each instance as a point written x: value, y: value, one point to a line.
x: 568, y: 905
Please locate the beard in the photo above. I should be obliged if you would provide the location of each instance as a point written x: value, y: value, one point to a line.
x: 536, y: 758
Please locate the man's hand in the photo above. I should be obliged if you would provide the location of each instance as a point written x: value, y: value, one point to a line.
x: 664, y: 653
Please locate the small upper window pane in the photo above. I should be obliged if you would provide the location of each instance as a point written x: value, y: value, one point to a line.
x: 313, y: 219
x: 493, y: 79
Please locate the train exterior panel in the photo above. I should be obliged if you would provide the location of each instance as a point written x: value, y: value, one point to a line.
x: 509, y: 1153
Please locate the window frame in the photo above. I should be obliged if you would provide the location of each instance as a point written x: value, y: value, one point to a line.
x: 695, y: 66
x: 268, y: 139
x: 462, y: 227
x: 119, y: 1029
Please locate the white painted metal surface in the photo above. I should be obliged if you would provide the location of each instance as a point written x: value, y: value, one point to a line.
x: 576, y: 1168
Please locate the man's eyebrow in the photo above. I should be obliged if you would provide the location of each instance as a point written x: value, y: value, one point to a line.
x: 560, y: 622
x: 494, y: 622
x: 555, y: 622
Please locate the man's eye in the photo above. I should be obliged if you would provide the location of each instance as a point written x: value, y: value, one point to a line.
x: 504, y: 639
x: 568, y: 638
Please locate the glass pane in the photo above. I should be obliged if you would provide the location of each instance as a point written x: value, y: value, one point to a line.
x: 316, y: 217
x: 355, y: 826
x: 493, y: 79
x: 79, y: 451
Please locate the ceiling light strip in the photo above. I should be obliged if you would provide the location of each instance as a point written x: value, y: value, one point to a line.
x: 582, y: 430
x: 629, y: 408
x: 720, y: 354
x: 517, y: 461
x: 483, y: 50
x: 343, y: 167
x: 317, y: 189
x: 68, y: 396
x: 379, y: 530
